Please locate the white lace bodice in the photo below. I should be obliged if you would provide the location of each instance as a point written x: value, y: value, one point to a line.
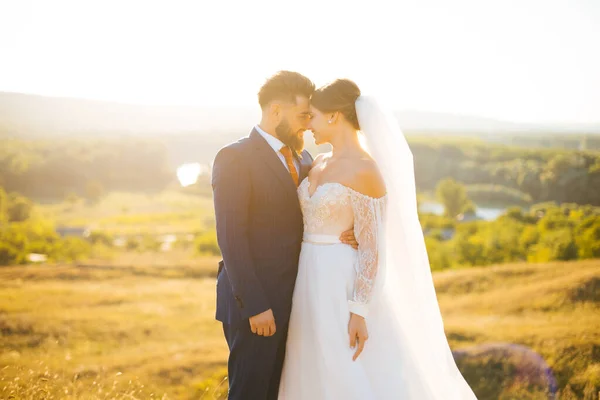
x: 334, y: 208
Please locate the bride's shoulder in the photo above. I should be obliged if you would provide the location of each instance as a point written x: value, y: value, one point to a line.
x: 367, y: 178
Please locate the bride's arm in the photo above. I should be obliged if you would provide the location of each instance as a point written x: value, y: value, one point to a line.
x: 368, y: 205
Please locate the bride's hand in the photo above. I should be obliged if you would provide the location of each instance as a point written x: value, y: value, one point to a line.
x: 357, y: 329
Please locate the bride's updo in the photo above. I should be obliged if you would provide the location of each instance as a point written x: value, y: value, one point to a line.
x: 338, y: 96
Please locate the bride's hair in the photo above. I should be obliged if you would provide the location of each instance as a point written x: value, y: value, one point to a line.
x: 338, y: 96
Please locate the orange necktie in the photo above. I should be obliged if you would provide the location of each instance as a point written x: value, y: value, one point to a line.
x: 289, y: 159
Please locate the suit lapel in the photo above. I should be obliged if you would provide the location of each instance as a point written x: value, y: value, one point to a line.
x: 269, y: 157
x: 305, y: 164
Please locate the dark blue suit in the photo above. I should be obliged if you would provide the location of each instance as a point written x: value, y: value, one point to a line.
x: 259, y: 230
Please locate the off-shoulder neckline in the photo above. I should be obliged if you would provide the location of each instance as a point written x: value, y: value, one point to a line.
x: 310, y: 196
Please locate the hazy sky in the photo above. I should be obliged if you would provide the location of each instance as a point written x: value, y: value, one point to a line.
x: 520, y: 60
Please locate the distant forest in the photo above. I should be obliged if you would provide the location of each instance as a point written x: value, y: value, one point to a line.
x: 492, y: 172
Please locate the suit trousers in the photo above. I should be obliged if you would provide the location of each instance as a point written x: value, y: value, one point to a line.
x: 255, y: 362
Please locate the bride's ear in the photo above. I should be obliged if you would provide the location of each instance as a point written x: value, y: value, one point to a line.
x: 332, y: 118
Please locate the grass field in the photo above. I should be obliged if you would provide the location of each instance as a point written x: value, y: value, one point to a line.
x: 133, y: 213
x: 142, y: 329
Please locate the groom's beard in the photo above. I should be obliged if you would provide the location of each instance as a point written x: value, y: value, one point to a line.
x: 294, y: 140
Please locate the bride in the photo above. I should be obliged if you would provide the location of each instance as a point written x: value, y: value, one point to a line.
x: 365, y: 324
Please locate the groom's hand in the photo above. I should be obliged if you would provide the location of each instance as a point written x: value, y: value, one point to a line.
x: 263, y: 324
x: 348, y: 238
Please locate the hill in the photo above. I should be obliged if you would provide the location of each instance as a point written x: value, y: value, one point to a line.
x: 140, y: 331
x: 24, y: 114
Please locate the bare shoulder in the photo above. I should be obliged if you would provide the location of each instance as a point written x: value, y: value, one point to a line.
x: 368, y: 179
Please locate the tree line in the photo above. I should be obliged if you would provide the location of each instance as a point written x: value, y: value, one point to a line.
x: 54, y: 169
x: 491, y: 172
x: 511, y: 175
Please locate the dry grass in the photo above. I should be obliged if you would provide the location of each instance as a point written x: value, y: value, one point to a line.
x: 142, y: 330
x: 86, y: 332
x: 553, y: 309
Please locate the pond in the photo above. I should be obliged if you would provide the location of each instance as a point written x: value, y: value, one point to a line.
x: 488, y: 213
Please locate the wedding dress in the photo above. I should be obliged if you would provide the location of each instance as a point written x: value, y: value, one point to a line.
x: 387, y: 281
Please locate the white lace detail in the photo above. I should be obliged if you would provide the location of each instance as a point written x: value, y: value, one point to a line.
x: 325, y: 209
x: 368, y: 217
x: 334, y: 208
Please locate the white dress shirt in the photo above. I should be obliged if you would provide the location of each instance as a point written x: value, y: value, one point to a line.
x: 277, y: 144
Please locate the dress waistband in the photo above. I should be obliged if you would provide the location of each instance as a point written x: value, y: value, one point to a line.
x: 321, y: 239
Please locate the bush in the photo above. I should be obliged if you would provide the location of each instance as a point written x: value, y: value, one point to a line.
x: 10, y: 254
x: 14, y: 244
x: 207, y: 244
x: 3, y: 205
x: 132, y: 244
x: 19, y: 239
x: 71, y: 249
x: 588, y: 239
x: 97, y: 237
x: 19, y: 208
x: 438, y: 253
x: 545, y: 233
x: 558, y: 245
x: 430, y: 221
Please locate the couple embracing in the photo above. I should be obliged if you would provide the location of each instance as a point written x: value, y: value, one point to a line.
x: 325, y: 290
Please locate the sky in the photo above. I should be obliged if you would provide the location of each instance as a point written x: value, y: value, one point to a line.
x: 517, y: 60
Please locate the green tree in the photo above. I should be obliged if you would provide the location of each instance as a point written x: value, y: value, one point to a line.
x: 588, y: 240
x: 10, y: 254
x: 453, y: 197
x: 19, y: 208
x: 3, y: 204
x: 554, y: 245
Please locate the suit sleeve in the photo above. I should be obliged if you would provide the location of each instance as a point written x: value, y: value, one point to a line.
x: 310, y: 157
x: 231, y: 193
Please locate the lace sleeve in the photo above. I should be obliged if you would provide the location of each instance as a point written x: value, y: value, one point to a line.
x: 368, y: 217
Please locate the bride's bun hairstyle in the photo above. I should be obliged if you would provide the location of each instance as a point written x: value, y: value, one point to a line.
x: 338, y: 96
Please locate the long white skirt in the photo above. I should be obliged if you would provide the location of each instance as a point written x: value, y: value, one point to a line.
x: 318, y: 363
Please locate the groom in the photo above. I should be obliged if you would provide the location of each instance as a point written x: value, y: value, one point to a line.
x: 259, y: 231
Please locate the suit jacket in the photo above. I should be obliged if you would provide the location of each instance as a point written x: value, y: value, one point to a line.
x: 259, y: 230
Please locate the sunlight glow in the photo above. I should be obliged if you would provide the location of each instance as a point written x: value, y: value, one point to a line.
x: 513, y: 60
x: 363, y: 141
x: 188, y: 174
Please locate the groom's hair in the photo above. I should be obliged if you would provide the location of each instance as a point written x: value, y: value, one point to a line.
x: 285, y: 86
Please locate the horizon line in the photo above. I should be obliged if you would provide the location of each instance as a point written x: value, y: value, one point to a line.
x: 249, y: 107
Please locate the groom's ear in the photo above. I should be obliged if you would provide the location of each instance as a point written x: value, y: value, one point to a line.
x: 274, y: 109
